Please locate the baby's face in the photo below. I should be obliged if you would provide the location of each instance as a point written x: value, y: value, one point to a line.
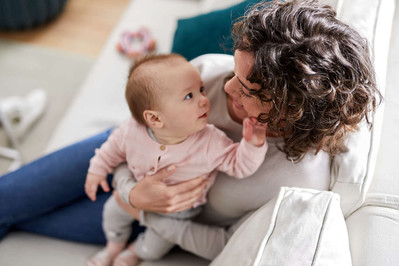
x: 184, y: 106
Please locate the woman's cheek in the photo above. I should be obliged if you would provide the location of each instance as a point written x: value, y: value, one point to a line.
x: 254, y: 107
x: 251, y: 107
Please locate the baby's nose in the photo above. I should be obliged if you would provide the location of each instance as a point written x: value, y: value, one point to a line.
x: 204, y: 101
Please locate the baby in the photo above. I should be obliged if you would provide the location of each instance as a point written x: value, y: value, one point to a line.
x: 169, y: 106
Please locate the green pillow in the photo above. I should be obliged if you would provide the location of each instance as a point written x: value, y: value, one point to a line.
x: 208, y: 33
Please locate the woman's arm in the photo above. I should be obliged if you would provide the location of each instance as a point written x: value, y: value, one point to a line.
x: 191, y: 236
x: 152, y: 194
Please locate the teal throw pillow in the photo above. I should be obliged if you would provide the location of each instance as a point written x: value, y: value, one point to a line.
x: 208, y: 33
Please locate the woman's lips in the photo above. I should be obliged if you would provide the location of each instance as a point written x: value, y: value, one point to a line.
x: 237, y: 105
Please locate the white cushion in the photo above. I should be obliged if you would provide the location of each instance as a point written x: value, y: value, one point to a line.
x: 352, y: 172
x: 374, y: 230
x: 298, y: 227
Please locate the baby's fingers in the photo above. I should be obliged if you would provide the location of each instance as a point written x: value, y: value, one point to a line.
x: 256, y: 123
x: 254, y: 132
x: 104, y: 185
x: 91, y: 191
x: 258, y: 127
x: 248, y: 129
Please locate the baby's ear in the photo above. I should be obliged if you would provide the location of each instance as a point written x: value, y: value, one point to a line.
x: 152, y: 118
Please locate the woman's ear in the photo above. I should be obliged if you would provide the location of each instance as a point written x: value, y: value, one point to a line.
x: 152, y: 118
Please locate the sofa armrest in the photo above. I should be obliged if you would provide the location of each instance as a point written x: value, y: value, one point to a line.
x: 373, y: 231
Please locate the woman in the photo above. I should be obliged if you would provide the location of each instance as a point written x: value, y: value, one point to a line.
x: 297, y: 68
x: 309, y: 77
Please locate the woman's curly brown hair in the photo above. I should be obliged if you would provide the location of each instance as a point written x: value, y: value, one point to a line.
x: 315, y: 70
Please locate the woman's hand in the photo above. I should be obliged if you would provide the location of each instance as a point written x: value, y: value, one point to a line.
x: 126, y: 207
x: 152, y: 194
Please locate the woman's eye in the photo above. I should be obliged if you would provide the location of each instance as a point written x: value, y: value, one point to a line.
x: 244, y: 94
x: 188, y: 96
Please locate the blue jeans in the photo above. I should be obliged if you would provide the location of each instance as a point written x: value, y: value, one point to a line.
x: 47, y: 196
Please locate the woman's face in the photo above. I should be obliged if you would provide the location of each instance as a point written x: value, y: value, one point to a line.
x: 240, y: 103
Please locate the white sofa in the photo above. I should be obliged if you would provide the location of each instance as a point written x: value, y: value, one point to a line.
x: 361, y: 216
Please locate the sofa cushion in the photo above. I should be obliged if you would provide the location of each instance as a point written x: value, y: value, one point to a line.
x: 385, y: 179
x: 353, y: 171
x: 298, y: 227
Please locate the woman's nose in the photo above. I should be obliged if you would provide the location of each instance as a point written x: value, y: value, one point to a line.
x: 231, y: 87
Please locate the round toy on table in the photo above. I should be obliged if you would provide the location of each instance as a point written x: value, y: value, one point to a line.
x: 134, y: 43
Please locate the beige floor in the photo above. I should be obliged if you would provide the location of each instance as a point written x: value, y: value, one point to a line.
x: 24, y: 67
x: 83, y: 27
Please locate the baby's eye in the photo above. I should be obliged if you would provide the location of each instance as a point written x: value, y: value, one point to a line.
x: 188, y: 96
x: 202, y: 90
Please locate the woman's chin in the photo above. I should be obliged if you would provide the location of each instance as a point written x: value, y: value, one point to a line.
x: 240, y: 114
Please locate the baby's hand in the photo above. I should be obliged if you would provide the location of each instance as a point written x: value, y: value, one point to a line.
x: 92, y: 183
x: 254, y: 132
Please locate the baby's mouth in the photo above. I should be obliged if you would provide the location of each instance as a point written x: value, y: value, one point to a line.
x: 204, y: 115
